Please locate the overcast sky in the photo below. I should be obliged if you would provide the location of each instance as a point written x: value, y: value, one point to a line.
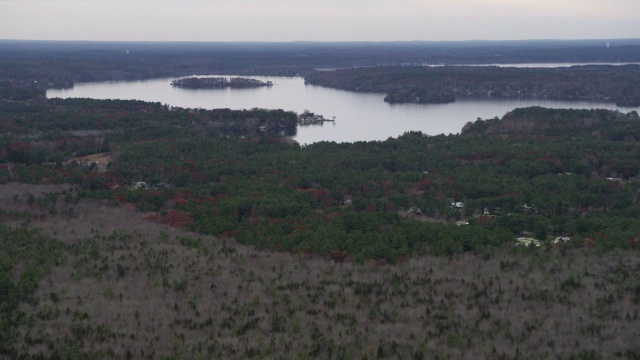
x: 327, y: 20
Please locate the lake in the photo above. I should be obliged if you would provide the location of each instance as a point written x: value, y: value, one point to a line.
x: 359, y: 116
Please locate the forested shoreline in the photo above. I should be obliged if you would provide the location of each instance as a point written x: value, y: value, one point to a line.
x: 61, y: 64
x: 408, y: 84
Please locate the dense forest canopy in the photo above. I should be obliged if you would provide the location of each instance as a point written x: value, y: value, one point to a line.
x: 131, y: 229
x: 549, y: 173
x: 228, y: 173
x: 564, y: 179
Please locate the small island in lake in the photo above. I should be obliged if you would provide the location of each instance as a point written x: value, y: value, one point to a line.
x: 219, y: 83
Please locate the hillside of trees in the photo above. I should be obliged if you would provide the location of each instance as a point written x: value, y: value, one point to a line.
x: 548, y: 173
x: 84, y: 280
x: 203, y: 236
x: 408, y: 84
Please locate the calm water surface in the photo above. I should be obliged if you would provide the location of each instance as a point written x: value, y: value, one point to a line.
x: 359, y: 116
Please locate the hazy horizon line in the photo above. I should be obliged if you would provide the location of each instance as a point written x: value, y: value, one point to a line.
x: 324, y: 41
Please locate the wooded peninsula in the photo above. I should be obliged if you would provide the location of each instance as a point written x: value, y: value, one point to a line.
x: 415, y: 84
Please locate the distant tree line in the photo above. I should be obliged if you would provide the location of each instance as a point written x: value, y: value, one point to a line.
x: 62, y: 64
x: 421, y: 84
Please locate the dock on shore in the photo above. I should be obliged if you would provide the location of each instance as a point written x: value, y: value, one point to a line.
x: 309, y: 118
